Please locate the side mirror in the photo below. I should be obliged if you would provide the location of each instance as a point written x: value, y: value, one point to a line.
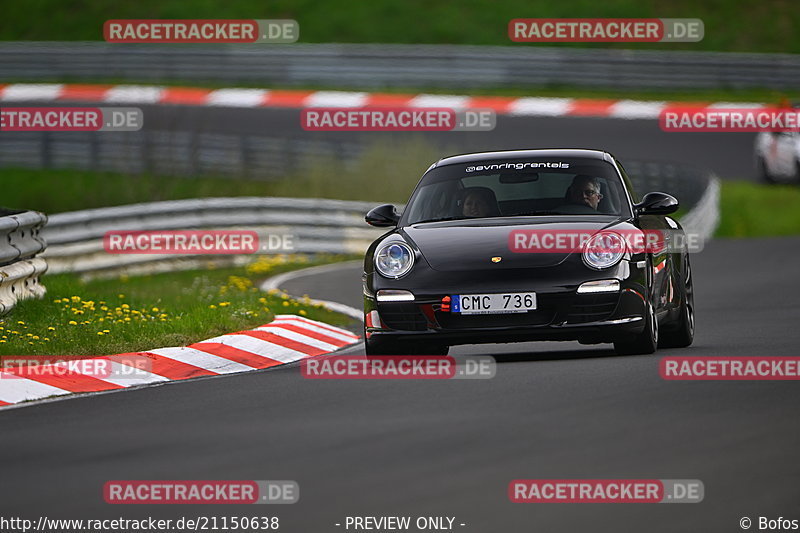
x: 657, y: 203
x: 383, y: 216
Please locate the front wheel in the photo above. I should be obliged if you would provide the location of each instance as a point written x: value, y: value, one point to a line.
x: 645, y: 342
x: 380, y: 347
x: 683, y: 334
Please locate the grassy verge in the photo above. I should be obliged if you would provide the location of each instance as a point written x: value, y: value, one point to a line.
x: 750, y: 209
x: 131, y: 314
x: 385, y: 172
x: 752, y: 26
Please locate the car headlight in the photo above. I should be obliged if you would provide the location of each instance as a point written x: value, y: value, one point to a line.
x: 394, y: 260
x: 603, y: 250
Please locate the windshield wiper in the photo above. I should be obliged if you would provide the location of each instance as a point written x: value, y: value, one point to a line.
x: 443, y: 219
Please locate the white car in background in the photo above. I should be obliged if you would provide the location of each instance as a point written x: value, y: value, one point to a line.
x: 777, y: 156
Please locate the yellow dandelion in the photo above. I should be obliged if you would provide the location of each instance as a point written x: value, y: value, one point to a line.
x: 73, y: 323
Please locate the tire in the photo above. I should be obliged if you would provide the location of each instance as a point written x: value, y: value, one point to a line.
x: 645, y: 342
x: 682, y: 335
x: 380, y: 347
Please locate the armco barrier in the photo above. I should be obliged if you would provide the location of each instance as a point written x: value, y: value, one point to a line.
x: 173, y: 153
x: 397, y: 65
x: 20, y: 269
x: 315, y: 225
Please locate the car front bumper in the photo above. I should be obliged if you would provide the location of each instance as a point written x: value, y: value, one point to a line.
x: 561, y: 314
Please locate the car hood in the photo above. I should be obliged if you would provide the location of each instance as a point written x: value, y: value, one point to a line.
x: 471, y: 245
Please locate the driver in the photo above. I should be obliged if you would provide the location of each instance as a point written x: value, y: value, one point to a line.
x: 584, y: 190
x: 479, y: 202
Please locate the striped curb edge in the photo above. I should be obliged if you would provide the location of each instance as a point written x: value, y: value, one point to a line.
x: 288, y: 338
x: 503, y: 105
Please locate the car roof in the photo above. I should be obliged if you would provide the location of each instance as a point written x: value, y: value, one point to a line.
x: 518, y: 154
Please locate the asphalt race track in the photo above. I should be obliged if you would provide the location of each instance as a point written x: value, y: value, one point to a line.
x: 730, y: 155
x: 450, y: 448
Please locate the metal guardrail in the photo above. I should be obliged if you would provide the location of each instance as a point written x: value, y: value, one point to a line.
x: 20, y: 269
x: 171, y: 153
x: 315, y: 226
x: 703, y: 218
x: 397, y: 65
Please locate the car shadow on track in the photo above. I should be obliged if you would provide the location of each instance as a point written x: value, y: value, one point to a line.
x: 551, y: 355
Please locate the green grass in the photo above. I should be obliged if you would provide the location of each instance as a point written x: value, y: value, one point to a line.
x: 122, y: 315
x: 758, y: 210
x: 743, y: 25
x: 384, y: 173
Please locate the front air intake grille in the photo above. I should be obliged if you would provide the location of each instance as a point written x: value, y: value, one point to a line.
x: 402, y: 316
x: 592, y: 307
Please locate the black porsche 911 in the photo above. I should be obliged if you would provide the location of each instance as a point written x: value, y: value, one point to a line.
x: 458, y: 266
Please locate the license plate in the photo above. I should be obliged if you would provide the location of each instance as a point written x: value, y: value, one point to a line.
x: 490, y: 304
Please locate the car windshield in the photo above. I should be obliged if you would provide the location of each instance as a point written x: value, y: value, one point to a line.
x: 517, y: 188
